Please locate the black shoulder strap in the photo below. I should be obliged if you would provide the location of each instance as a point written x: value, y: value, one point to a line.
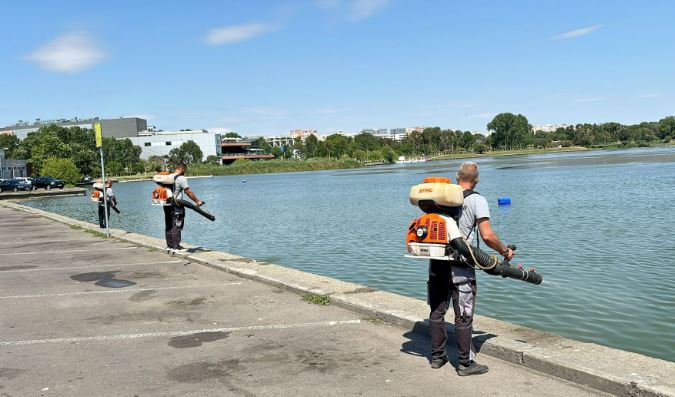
x: 173, y: 186
x: 467, y: 193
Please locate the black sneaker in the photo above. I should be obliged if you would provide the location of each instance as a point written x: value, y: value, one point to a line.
x: 436, y: 363
x: 472, y: 369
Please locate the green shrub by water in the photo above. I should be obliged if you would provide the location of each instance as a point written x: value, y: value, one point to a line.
x: 241, y: 167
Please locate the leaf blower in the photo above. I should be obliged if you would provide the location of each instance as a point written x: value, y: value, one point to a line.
x: 97, y: 194
x: 436, y: 234
x: 164, y: 195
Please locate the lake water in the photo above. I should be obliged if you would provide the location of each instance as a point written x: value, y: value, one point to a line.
x: 598, y: 225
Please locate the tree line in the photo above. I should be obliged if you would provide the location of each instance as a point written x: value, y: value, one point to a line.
x: 70, y: 153
x: 508, y: 131
x: 73, y: 149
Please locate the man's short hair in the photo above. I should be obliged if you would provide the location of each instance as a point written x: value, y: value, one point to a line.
x: 181, y: 165
x: 468, y: 172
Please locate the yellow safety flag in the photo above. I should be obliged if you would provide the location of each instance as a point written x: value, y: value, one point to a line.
x: 99, y: 136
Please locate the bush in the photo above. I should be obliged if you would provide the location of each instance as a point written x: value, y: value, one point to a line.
x: 63, y: 169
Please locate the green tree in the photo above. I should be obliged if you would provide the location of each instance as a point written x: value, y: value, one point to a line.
x: 10, y: 143
x: 311, y: 145
x: 232, y: 134
x: 667, y: 127
x: 365, y: 141
x: 262, y: 144
x: 154, y: 164
x: 510, y: 131
x: 189, y: 153
x: 337, y: 145
x: 63, y: 169
x: 212, y: 160
x: 43, y: 146
x: 390, y: 155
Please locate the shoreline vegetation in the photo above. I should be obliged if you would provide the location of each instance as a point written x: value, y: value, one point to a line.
x: 70, y: 154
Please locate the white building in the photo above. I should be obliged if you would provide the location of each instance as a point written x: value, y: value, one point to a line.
x: 160, y: 143
x: 303, y: 134
x: 548, y: 127
x: 11, y: 168
x: 279, y: 141
x: 398, y: 133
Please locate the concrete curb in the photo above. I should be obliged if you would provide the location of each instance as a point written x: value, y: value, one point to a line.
x: 69, y: 191
x: 609, y: 370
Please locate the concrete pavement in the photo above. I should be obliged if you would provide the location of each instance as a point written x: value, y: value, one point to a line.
x: 85, y: 316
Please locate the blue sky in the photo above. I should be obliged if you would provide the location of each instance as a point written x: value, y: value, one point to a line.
x: 266, y: 67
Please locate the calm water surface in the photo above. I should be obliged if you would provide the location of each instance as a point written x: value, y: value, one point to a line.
x: 598, y: 225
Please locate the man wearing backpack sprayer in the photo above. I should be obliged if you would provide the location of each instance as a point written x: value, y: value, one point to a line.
x: 174, y: 215
x: 456, y: 280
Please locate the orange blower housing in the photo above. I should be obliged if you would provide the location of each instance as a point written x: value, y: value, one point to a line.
x: 429, y: 236
x: 163, y: 193
x: 96, y: 196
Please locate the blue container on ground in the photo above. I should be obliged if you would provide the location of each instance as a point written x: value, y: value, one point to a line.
x: 504, y: 201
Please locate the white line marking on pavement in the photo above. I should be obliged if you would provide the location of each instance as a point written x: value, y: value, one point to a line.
x: 117, y: 291
x: 85, y: 267
x: 176, y: 333
x: 69, y: 251
x: 23, y: 241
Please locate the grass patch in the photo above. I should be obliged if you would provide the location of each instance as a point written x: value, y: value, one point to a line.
x: 316, y: 299
x: 97, y: 233
x: 374, y: 320
x: 76, y: 227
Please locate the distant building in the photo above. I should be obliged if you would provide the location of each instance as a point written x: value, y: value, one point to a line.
x: 339, y: 132
x: 395, y: 133
x: 11, y: 168
x: 122, y: 127
x: 548, y: 127
x: 382, y: 133
x: 237, y: 148
x: 160, y: 143
x: 303, y: 134
x: 279, y: 141
x: 414, y: 129
x: 398, y: 134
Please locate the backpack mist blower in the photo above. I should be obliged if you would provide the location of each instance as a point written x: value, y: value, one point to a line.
x: 436, y: 234
x: 164, y: 195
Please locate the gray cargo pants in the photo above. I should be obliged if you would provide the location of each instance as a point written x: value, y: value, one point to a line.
x: 174, y: 220
x: 440, y: 291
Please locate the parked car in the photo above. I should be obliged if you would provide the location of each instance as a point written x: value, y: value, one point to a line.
x: 47, y: 182
x: 27, y: 180
x: 15, y: 185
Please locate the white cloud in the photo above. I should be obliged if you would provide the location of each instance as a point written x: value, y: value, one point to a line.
x: 69, y: 53
x: 588, y: 100
x: 577, y: 32
x: 236, y: 33
x: 364, y: 9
